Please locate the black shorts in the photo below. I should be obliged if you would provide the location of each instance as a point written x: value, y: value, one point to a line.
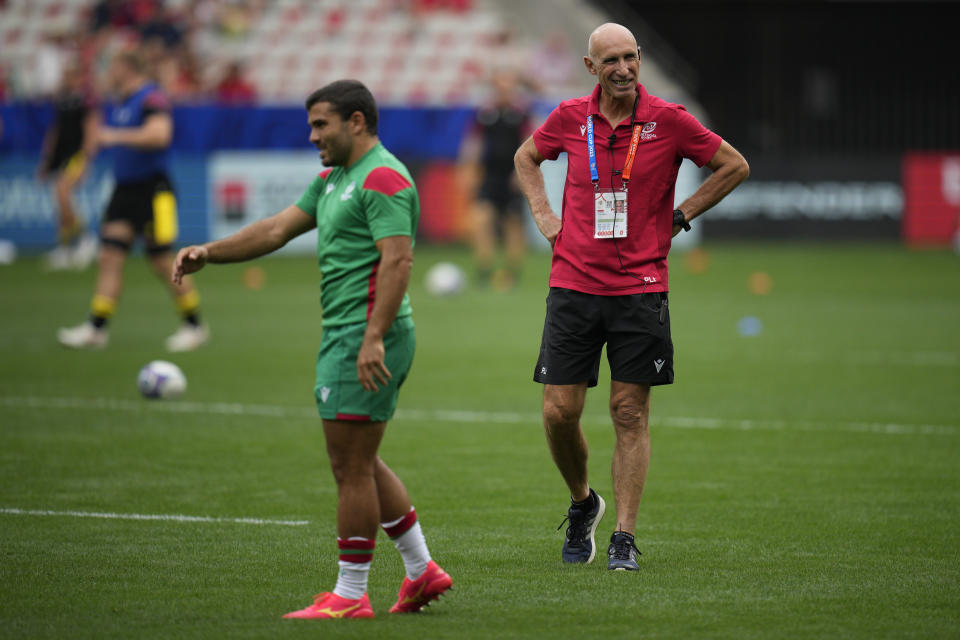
x: 503, y: 195
x: 150, y: 206
x: 635, y: 328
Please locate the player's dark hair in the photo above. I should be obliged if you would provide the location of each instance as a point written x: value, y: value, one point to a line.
x: 347, y: 97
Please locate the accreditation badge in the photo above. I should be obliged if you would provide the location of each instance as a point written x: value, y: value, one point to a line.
x: 610, y: 214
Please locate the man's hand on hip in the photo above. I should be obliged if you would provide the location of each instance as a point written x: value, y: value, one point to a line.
x: 371, y: 367
x: 549, y: 224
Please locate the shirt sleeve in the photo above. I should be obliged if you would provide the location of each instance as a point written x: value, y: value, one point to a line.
x: 549, y: 136
x: 694, y: 140
x: 390, y: 202
x: 156, y: 102
x: 308, y: 201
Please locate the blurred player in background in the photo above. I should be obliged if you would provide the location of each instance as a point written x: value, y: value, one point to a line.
x: 67, y: 153
x: 365, y: 208
x: 497, y: 208
x: 143, y: 204
x: 608, y: 280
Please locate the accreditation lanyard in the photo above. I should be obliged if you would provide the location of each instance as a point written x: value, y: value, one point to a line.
x: 631, y: 154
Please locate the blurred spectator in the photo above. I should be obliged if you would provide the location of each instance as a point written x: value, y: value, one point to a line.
x: 426, y: 6
x: 552, y: 64
x: 162, y: 25
x: 104, y: 14
x: 234, y: 88
x: 505, y: 54
x: 48, y: 63
x: 177, y: 73
x: 236, y: 17
x: 120, y: 13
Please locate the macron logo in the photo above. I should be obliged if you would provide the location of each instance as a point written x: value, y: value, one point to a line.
x: 325, y: 393
x: 330, y: 187
x: 583, y: 130
x: 659, y: 364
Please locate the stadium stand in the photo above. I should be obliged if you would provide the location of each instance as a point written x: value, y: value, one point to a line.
x: 420, y: 53
x: 412, y: 52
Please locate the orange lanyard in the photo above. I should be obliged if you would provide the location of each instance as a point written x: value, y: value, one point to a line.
x: 631, y: 154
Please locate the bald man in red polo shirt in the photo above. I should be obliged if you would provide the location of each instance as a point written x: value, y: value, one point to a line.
x: 608, y: 281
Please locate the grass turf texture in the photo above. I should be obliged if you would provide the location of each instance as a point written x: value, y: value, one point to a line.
x: 804, y: 481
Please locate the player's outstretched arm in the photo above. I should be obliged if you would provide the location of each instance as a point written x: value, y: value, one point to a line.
x: 253, y: 241
x: 527, y: 161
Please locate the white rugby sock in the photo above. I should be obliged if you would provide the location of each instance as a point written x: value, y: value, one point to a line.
x: 356, y: 556
x: 408, y: 537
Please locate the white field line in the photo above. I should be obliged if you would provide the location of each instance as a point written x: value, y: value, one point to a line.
x: 467, y: 416
x: 947, y: 359
x: 148, y: 516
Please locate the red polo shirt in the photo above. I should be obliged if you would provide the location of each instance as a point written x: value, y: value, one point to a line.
x: 584, y: 263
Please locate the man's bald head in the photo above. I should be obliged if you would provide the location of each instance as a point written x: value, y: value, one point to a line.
x: 614, y: 58
x: 607, y: 35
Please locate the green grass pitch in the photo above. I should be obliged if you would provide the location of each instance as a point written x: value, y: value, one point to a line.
x: 805, y: 481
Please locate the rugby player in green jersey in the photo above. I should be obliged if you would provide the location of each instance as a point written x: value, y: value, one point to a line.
x: 365, y: 209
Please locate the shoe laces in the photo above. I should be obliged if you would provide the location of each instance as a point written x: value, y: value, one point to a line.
x: 621, y: 546
x: 577, y: 530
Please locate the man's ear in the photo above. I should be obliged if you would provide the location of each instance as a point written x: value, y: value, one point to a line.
x: 592, y: 68
x: 357, y: 123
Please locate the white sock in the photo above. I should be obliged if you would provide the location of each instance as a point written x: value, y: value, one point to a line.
x: 352, y: 578
x: 411, y: 544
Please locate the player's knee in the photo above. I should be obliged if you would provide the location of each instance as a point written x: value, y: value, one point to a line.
x: 559, y: 414
x: 347, y: 467
x: 629, y: 413
x: 114, y: 245
x: 112, y: 252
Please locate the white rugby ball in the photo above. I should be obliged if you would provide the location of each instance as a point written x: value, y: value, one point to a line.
x: 445, y: 279
x: 161, y: 379
x: 8, y: 252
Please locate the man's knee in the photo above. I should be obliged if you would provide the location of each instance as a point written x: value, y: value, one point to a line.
x: 561, y: 412
x: 112, y: 253
x: 630, y: 413
x: 346, y: 467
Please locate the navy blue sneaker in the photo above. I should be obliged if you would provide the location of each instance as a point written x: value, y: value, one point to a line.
x: 622, y: 553
x: 580, y: 547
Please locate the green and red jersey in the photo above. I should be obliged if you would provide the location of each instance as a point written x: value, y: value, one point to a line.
x: 354, y: 208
